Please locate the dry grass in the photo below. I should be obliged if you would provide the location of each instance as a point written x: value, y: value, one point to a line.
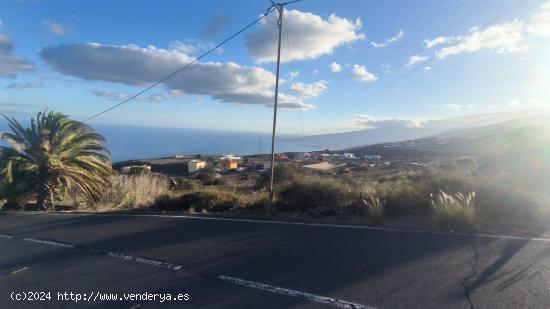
x: 375, y: 209
x: 454, y: 211
x: 133, y: 191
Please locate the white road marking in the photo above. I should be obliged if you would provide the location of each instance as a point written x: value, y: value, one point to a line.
x: 273, y: 289
x: 325, y: 225
x: 49, y: 242
x: 278, y: 290
x: 19, y: 270
x: 5, y: 236
x: 117, y: 255
x: 123, y: 256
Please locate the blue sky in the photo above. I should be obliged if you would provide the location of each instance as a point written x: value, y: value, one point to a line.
x: 347, y: 65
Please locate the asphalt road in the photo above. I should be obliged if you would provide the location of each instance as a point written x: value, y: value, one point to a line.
x: 223, y: 264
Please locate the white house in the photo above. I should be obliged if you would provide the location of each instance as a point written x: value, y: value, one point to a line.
x: 195, y: 165
x: 348, y: 155
x: 266, y: 164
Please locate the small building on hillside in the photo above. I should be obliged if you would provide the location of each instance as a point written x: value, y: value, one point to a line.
x: 230, y: 157
x: 281, y: 156
x: 228, y: 164
x: 348, y: 155
x: 195, y: 165
x: 373, y: 157
x: 266, y: 164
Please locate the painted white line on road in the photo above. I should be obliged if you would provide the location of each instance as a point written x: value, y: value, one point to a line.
x: 325, y: 225
x: 345, y: 226
x: 5, y: 236
x: 117, y: 255
x: 19, y: 270
x: 278, y: 290
x: 49, y: 242
x: 123, y: 256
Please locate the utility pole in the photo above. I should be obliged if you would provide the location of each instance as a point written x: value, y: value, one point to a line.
x: 280, y: 9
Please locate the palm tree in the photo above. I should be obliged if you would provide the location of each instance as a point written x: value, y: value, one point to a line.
x: 16, y: 185
x: 58, y: 151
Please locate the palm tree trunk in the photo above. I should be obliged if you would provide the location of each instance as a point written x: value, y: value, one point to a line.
x: 44, y: 200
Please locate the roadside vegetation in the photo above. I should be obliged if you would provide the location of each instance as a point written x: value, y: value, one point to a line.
x: 55, y: 152
x: 61, y: 163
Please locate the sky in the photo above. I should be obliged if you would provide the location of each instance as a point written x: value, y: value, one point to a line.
x: 346, y: 65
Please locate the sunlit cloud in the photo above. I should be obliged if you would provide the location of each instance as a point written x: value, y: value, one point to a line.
x: 388, y: 41
x: 335, y: 67
x: 310, y: 36
x: 360, y: 73
x: 226, y: 82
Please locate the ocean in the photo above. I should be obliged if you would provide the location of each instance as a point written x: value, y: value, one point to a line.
x: 134, y: 142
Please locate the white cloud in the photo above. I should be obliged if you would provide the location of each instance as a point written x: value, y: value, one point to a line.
x: 56, y: 28
x: 455, y: 107
x: 375, y: 122
x: 414, y: 59
x: 440, y: 40
x: 504, y: 38
x: 529, y: 103
x: 293, y: 74
x: 10, y: 64
x: 389, y: 41
x: 193, y: 46
x: 121, y: 96
x: 133, y: 65
x: 315, y: 72
x: 539, y: 24
x: 361, y: 74
x: 335, y: 67
x: 25, y: 85
x: 310, y: 36
x: 427, y: 68
x: 312, y: 90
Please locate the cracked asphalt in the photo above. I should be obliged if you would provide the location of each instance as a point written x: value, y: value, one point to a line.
x: 381, y: 269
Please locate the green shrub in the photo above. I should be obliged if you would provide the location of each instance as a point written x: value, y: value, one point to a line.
x: 188, y: 184
x: 405, y: 197
x: 311, y: 193
x: 208, y: 176
x: 375, y: 210
x: 453, y: 211
x: 210, y: 199
x: 283, y: 173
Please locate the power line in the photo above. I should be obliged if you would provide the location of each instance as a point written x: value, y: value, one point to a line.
x: 389, y: 55
x: 300, y: 98
x: 379, y: 90
x: 269, y: 10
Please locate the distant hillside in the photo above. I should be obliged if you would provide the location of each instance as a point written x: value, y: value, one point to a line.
x: 387, y: 134
x: 511, y: 151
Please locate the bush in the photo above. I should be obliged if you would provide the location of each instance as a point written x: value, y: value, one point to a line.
x: 404, y: 197
x: 208, y: 176
x: 133, y: 191
x: 209, y: 199
x: 453, y: 211
x: 375, y: 210
x: 282, y: 173
x: 311, y: 193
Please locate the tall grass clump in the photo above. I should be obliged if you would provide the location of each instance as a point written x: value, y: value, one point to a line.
x: 133, y: 191
x: 375, y: 209
x: 209, y: 200
x: 453, y: 211
x: 311, y: 193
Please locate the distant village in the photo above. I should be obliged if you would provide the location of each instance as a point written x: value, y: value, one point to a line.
x: 190, y: 166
